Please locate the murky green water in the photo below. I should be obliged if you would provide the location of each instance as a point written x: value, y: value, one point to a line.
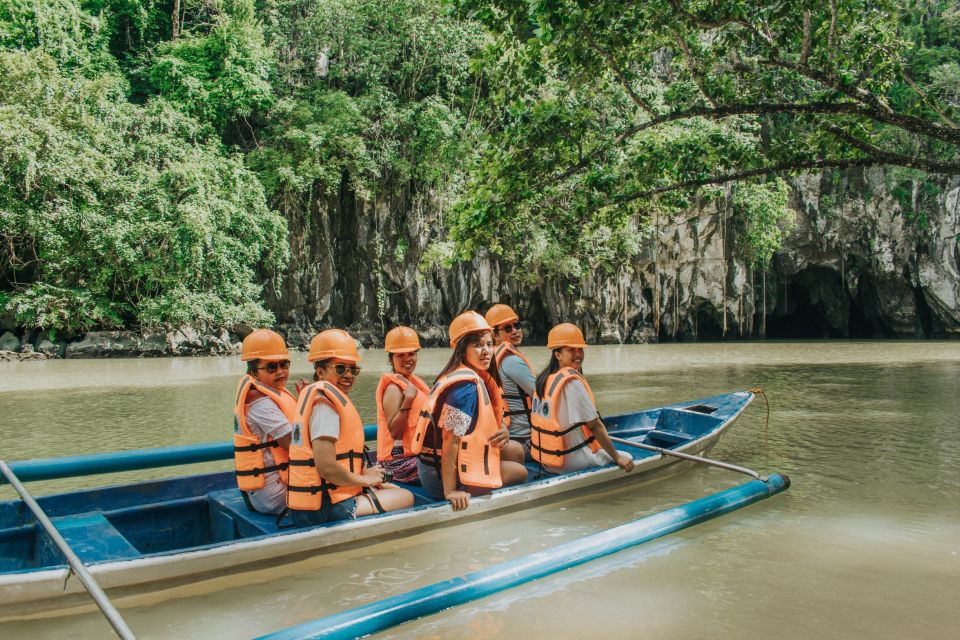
x: 865, y: 544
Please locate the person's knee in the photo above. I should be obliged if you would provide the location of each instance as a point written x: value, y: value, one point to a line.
x: 513, y: 452
x: 513, y: 473
x: 397, y: 498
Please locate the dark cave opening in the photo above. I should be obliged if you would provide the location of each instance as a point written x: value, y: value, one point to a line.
x: 708, y: 323
x: 811, y: 304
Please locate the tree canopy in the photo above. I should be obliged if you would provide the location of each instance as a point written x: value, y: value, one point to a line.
x: 113, y: 213
x: 613, y: 111
x: 152, y: 151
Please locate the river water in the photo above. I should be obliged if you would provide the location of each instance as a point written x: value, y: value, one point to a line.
x: 865, y: 544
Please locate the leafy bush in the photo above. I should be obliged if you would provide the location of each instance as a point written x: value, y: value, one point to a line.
x: 118, y: 214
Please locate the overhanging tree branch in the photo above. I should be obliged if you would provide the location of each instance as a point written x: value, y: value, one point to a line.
x: 883, y: 158
x: 624, y: 82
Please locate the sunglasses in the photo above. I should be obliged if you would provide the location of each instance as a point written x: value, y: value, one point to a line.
x: 510, y: 328
x: 273, y: 367
x: 341, y: 369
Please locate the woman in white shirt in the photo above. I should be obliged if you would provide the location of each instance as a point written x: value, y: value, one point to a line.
x: 567, y: 432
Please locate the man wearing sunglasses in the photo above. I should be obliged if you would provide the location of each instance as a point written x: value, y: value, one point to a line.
x: 263, y: 420
x: 516, y: 372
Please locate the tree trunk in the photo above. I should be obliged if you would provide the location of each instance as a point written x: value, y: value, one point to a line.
x: 176, y: 19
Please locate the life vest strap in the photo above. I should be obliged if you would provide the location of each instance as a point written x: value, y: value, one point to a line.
x: 309, y: 462
x: 257, y: 447
x: 518, y: 412
x: 551, y: 432
x: 256, y: 472
x: 370, y: 493
x: 563, y: 452
x: 297, y: 489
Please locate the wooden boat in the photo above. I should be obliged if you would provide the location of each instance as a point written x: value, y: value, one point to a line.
x: 141, y: 537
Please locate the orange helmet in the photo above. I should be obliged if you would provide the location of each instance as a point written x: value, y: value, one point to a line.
x: 264, y: 344
x: 333, y: 343
x: 500, y: 314
x: 565, y: 335
x: 466, y: 322
x: 401, y: 340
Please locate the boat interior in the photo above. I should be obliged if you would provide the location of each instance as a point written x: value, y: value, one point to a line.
x: 192, y: 512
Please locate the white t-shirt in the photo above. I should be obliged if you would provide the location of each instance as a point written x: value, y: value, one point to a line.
x: 267, y: 422
x: 324, y: 421
x: 576, y: 406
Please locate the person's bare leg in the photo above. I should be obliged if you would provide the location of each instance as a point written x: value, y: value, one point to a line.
x: 513, y: 452
x: 512, y: 472
x: 391, y: 498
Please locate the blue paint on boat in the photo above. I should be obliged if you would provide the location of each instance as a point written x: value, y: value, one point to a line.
x: 94, y: 463
x: 189, y: 513
x: 381, y: 615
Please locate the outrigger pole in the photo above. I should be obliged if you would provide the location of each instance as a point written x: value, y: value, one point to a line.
x: 377, y: 616
x: 687, y: 456
x: 113, y: 616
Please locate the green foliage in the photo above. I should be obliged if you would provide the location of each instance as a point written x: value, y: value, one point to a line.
x: 762, y: 214
x: 615, y: 110
x: 62, y: 29
x: 217, y: 71
x: 373, y: 93
x: 119, y: 214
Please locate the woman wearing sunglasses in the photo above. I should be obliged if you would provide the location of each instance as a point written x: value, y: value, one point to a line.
x: 263, y: 417
x: 516, y: 372
x: 329, y: 477
x: 567, y: 432
x: 461, y: 437
x: 400, y: 396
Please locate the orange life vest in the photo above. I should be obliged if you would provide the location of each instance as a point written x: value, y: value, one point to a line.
x: 386, y: 441
x: 546, y: 444
x: 502, y: 351
x: 248, y: 448
x: 306, y: 489
x: 478, y: 463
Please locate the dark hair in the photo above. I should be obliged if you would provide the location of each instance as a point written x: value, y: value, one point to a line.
x: 552, y: 367
x: 253, y: 365
x: 458, y: 357
x: 319, y: 364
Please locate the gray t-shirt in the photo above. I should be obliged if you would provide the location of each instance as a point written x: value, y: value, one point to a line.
x: 267, y: 422
x: 576, y: 406
x: 515, y: 375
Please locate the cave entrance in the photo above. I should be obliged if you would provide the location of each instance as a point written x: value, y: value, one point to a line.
x: 812, y: 304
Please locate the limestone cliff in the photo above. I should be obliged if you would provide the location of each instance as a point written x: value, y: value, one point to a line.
x: 864, y: 259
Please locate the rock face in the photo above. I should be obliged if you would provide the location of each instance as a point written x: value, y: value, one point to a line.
x: 867, y: 257
x: 116, y: 344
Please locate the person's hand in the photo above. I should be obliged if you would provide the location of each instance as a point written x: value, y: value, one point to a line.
x: 625, y: 462
x: 300, y: 384
x: 373, y: 476
x: 459, y: 500
x: 500, y: 439
x: 409, y: 392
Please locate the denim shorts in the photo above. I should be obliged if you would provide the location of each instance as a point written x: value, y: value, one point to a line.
x: 430, y: 480
x: 343, y: 510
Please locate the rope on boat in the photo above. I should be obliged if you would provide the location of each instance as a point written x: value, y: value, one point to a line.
x: 76, y: 564
x: 766, y: 424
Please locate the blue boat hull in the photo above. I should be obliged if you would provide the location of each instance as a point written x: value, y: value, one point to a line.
x: 136, y: 535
